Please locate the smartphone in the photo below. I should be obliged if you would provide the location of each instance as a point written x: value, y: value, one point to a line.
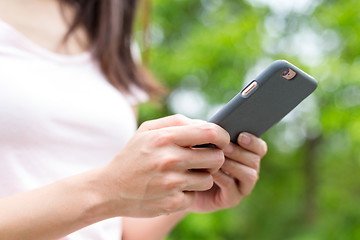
x: 265, y: 100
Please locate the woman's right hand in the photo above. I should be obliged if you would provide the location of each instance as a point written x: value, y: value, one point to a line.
x: 151, y: 177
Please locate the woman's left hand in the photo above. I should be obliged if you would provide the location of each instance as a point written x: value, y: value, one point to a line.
x: 237, y: 177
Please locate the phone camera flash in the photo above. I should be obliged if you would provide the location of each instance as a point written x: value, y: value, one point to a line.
x: 288, y: 74
x: 249, y: 88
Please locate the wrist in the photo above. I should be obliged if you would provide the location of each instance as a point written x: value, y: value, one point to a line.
x: 90, y: 195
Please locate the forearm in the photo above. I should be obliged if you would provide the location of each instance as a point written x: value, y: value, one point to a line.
x: 151, y: 228
x: 52, y: 211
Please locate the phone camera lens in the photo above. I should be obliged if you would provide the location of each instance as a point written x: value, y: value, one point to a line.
x: 284, y: 73
x: 288, y: 74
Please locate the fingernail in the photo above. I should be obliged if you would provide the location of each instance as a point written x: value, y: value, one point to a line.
x: 244, y: 139
x: 228, y: 149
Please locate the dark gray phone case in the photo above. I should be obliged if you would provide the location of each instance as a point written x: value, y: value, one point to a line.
x: 268, y: 103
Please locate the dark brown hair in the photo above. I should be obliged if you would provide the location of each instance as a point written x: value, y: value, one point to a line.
x: 109, y: 25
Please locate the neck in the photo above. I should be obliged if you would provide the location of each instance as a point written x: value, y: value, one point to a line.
x: 45, y: 23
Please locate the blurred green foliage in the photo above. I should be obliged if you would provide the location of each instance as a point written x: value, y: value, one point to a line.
x: 309, y: 186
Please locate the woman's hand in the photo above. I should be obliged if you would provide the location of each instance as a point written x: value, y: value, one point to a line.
x: 237, y: 176
x: 150, y: 176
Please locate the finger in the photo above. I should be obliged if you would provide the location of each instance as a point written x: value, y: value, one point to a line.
x: 198, y: 181
x: 209, y: 159
x: 174, y: 120
x: 252, y: 143
x: 177, y: 202
x: 182, y: 159
x: 240, y: 155
x: 170, y: 121
x: 246, y: 176
x: 230, y: 193
x: 225, y: 182
x: 196, y: 134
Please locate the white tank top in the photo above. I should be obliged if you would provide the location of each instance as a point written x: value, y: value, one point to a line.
x: 58, y: 117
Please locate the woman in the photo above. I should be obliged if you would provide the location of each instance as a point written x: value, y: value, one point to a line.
x: 73, y: 165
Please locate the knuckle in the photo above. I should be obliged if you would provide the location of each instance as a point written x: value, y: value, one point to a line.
x: 162, y: 138
x: 263, y: 148
x: 210, y: 131
x: 220, y: 158
x: 146, y: 125
x: 167, y: 163
x: 228, y: 138
x: 252, y: 176
x: 256, y: 162
x: 228, y: 181
x: 172, y: 183
x: 179, y: 119
x: 145, y: 149
x: 208, y: 182
x: 175, y: 202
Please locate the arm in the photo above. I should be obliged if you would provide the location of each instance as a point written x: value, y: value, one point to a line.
x: 52, y: 211
x: 149, y: 177
x: 151, y: 228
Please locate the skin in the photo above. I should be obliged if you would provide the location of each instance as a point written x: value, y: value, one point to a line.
x: 42, y: 22
x: 149, y: 177
x: 234, y: 181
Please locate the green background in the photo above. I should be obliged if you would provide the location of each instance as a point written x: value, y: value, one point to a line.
x: 206, y: 51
